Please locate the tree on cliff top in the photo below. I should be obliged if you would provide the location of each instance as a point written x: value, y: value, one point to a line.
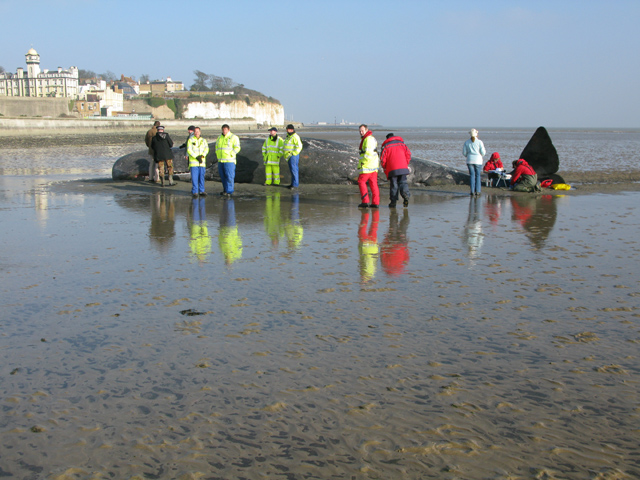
x: 1, y: 69
x: 205, y: 82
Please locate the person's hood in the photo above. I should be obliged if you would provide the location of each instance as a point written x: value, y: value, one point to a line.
x: 395, y: 139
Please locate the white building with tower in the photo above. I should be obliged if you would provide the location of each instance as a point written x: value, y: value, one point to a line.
x: 37, y: 83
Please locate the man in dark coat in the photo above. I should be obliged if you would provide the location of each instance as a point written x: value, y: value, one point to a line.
x: 395, y: 160
x: 161, y: 145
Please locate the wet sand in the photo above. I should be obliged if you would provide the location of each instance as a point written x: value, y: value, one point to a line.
x: 469, y: 338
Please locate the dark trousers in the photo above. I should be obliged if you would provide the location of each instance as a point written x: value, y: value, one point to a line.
x: 398, y: 182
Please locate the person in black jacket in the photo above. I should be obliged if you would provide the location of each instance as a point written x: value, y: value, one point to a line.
x: 161, y: 145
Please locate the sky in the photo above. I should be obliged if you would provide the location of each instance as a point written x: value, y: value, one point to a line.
x: 432, y: 63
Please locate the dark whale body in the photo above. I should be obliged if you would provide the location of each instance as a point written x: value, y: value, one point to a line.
x: 542, y: 155
x: 321, y: 162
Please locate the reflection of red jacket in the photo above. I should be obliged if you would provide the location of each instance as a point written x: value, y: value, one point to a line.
x: 522, y: 168
x: 395, y: 157
x: 394, y: 257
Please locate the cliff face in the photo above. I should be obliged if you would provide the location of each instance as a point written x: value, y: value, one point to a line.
x: 262, y: 112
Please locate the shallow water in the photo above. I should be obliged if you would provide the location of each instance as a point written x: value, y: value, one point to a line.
x: 152, y: 336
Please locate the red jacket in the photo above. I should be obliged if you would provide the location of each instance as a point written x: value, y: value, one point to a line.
x: 522, y: 168
x: 493, y: 163
x: 395, y: 157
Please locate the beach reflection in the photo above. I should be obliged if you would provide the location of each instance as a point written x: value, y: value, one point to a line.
x: 162, y: 230
x: 199, y: 238
x: 536, y: 215
x: 368, y: 244
x: 394, y: 252
x: 473, y: 230
x: 229, y: 239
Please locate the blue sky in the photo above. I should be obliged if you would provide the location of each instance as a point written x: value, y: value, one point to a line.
x: 438, y: 63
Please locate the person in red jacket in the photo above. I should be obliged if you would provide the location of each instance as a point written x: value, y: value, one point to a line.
x: 524, y: 177
x: 491, y: 166
x: 395, y: 163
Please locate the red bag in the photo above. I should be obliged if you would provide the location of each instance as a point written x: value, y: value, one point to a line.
x: 546, y: 183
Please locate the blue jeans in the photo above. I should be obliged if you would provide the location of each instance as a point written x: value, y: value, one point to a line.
x: 197, y: 180
x: 475, y: 172
x: 293, y: 168
x: 227, y: 172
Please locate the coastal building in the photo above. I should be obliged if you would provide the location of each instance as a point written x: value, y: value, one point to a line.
x: 37, y: 83
x: 160, y: 87
x: 99, y: 100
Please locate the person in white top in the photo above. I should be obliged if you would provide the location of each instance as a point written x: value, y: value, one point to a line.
x: 474, y: 149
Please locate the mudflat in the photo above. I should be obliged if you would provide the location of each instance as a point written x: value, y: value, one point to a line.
x: 146, y: 334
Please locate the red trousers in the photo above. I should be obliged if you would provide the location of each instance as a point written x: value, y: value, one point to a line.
x: 372, y: 180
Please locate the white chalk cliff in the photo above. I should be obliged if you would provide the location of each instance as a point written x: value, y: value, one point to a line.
x: 262, y: 112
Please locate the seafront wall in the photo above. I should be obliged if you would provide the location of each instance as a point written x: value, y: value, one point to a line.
x: 21, y: 126
x: 34, y: 107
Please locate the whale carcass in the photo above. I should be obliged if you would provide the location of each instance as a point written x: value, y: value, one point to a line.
x: 542, y: 155
x: 321, y: 162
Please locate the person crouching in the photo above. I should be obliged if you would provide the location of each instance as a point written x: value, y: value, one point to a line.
x: 524, y: 177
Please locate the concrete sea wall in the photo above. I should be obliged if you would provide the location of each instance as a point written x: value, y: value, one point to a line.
x: 34, y: 107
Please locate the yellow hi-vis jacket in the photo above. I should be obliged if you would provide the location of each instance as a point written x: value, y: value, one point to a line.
x: 227, y: 148
x: 292, y: 146
x: 272, y: 150
x: 196, y: 147
x: 369, y: 161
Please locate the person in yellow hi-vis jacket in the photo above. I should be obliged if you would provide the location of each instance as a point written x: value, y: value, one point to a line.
x: 227, y: 147
x: 200, y: 241
x: 292, y: 148
x: 368, y: 168
x: 272, y: 151
x: 228, y: 235
x: 197, y: 149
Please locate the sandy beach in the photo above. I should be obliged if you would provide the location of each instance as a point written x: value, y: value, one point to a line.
x: 290, y: 335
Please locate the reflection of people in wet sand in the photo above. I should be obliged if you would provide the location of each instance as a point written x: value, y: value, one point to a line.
x: 394, y: 252
x: 163, y: 215
x: 368, y: 245
x: 537, y: 216
x: 228, y: 234
x: 473, y: 230
x: 200, y: 241
x: 493, y: 208
x: 272, y: 218
x: 293, y: 229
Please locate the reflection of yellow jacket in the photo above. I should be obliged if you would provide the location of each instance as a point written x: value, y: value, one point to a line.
x: 272, y: 219
x: 200, y: 242
x: 294, y: 233
x: 230, y: 244
x: 368, y: 259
